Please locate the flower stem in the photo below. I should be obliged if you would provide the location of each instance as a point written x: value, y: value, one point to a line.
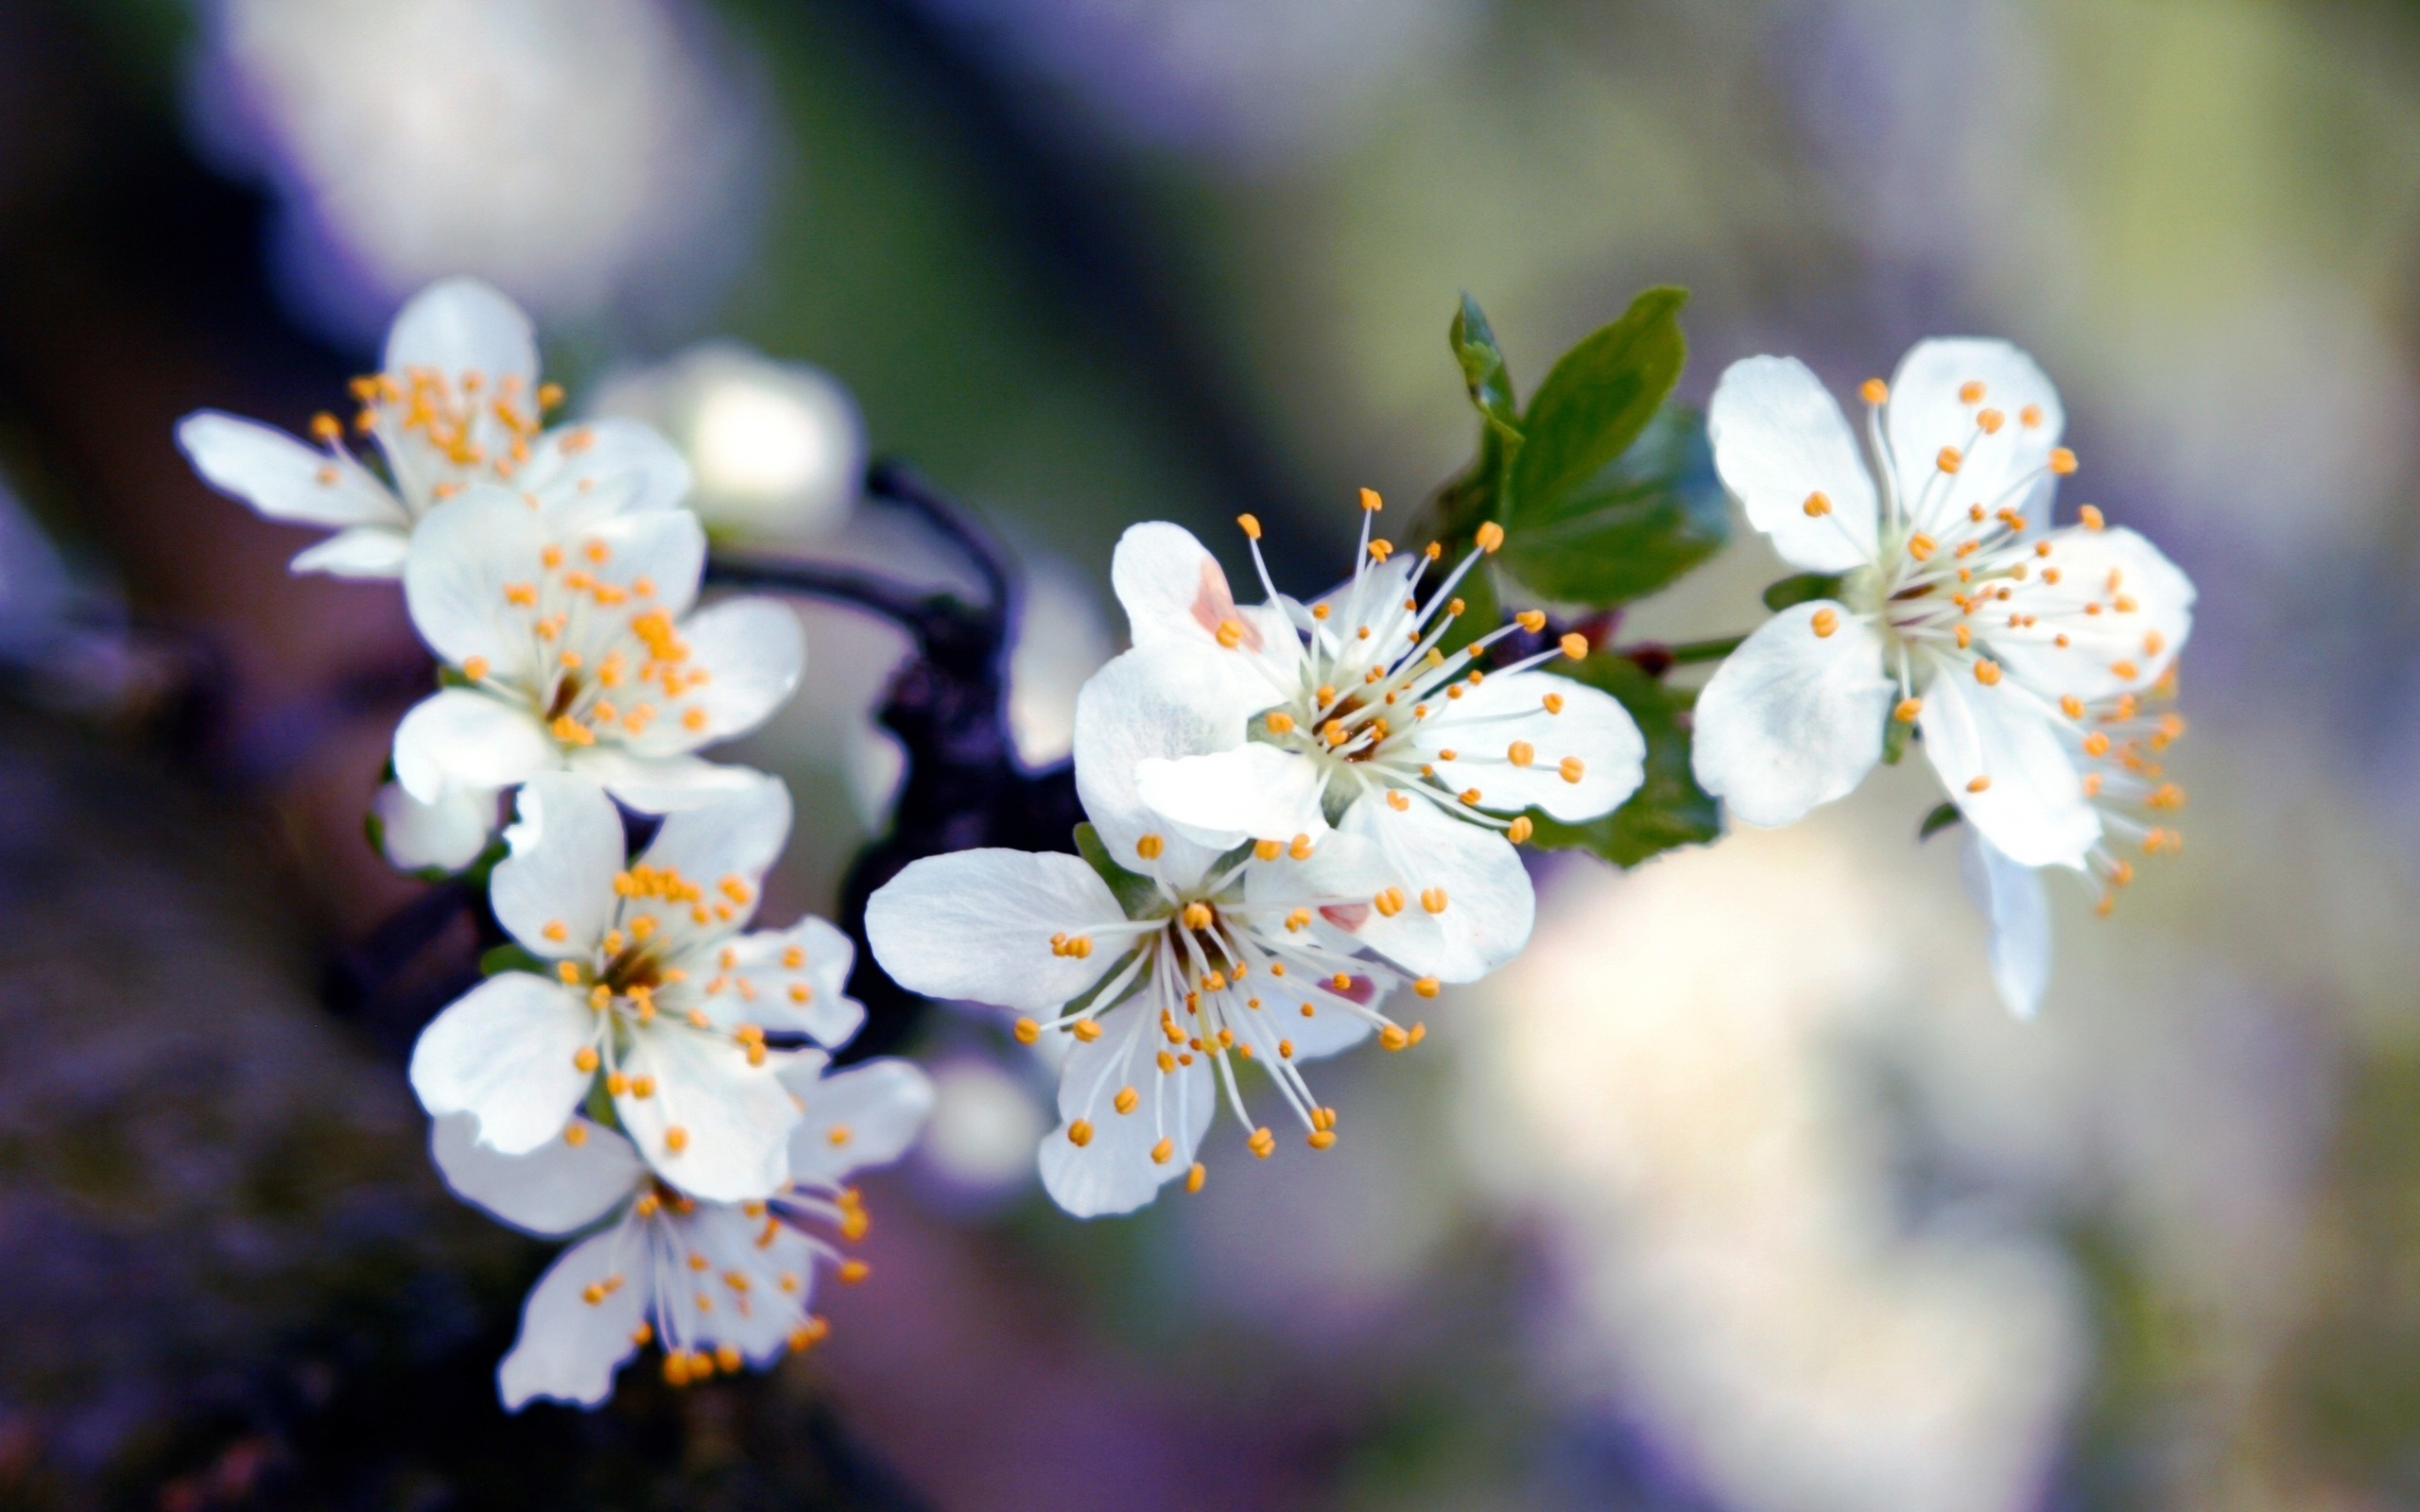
x: 1655, y: 658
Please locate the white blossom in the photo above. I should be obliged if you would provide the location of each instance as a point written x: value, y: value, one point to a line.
x: 456, y: 401
x: 572, y: 643
x: 1957, y: 613
x: 1201, y: 957
x: 656, y: 998
x: 716, y: 1286
x: 1349, y: 713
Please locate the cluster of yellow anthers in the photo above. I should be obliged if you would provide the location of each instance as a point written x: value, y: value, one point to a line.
x: 446, y: 412
x: 1354, y: 714
x: 2124, y: 740
x: 578, y: 701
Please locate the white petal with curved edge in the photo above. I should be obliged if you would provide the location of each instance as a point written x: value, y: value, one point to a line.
x: 1488, y: 904
x: 1148, y: 705
x: 464, y: 554
x: 1778, y: 438
x: 1176, y: 595
x: 753, y: 651
x: 1482, y: 728
x: 281, y: 477
x: 570, y: 1346
x: 463, y: 325
x: 567, y: 847
x: 661, y: 784
x: 622, y: 463
x: 503, y: 1053
x: 456, y: 738
x: 976, y: 925
x: 1255, y: 791
x: 2031, y: 805
x: 667, y: 547
x: 447, y: 834
x: 2017, y: 909
x: 2143, y: 615
x: 738, y: 834
x: 1927, y: 413
x: 364, y: 551
x: 556, y: 1189
x: 809, y: 998
x: 1114, y: 1173
x: 1792, y: 719
x: 758, y: 1323
x: 867, y: 1115
x: 735, y: 1119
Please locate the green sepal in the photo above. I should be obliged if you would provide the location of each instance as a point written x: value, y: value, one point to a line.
x: 1132, y: 890
x: 1669, y: 809
x: 1806, y: 588
x: 511, y: 957
x: 1644, y: 517
x: 1895, y: 740
x: 1939, y: 820
x: 1484, y: 371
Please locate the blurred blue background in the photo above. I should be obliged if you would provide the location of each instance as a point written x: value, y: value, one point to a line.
x: 1738, y: 1192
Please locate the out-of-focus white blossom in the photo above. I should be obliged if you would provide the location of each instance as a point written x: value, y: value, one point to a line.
x: 447, y: 834
x: 777, y: 448
x: 588, y: 156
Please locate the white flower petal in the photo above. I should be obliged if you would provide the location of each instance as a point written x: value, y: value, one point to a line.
x: 456, y: 738
x: 667, y: 546
x: 281, y: 477
x: 1488, y: 904
x: 2018, y: 907
x: 1792, y: 719
x: 809, y: 998
x: 462, y: 325
x: 556, y: 1189
x: 504, y: 1053
x: 570, y: 1346
x: 1506, y: 718
x: 1176, y: 595
x: 613, y: 466
x: 734, y: 1119
x: 447, y: 834
x: 2030, y: 803
x: 1779, y: 440
x: 567, y: 846
x: 754, y: 651
x: 1113, y: 1172
x: 661, y: 784
x: 976, y: 925
x: 1928, y: 411
x: 864, y: 1116
x: 739, y: 834
x: 2127, y: 644
x: 1146, y: 705
x: 464, y: 554
x: 758, y: 1323
x: 364, y: 551
x: 1255, y: 791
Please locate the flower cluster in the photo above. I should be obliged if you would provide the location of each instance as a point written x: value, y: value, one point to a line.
x: 1297, y: 810
x: 2027, y: 658
x: 651, y: 1080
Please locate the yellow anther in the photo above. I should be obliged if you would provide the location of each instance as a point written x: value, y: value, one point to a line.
x: 1370, y: 503
x: 599, y: 995
x: 1299, y: 919
x: 1521, y: 753
x: 575, y: 1134
x: 1126, y: 1099
x: 1079, y: 1133
x: 1874, y: 390
x: 1149, y: 847
x: 585, y: 1059
x: 1573, y: 769
x: 1280, y: 722
x: 1922, y: 546
x: 1434, y: 900
x: 1519, y: 831
x: 1991, y: 421
x: 1469, y: 795
x: 1819, y: 504
x: 2126, y: 670
x: 1388, y: 902
x: 1531, y: 620
x: 1490, y: 537
x: 1965, y: 636
x: 1391, y: 1038
x: 1194, y: 1178
x: 1252, y: 525
x: 1230, y: 634
x: 1827, y: 620
x: 1380, y: 551
x: 521, y: 594
x: 2062, y: 460
x: 1947, y: 460
x: 1163, y: 1151
x: 1987, y: 672
x: 2029, y: 416
x: 1320, y: 1138
x: 1342, y: 981
x: 1553, y: 702
x: 1300, y: 848
x: 1262, y: 1144
x: 2091, y: 517
x: 1087, y: 1030
x: 1978, y: 785
x: 854, y: 1271
x: 1908, y: 710
x: 474, y: 668
x: 676, y: 1139
x: 1575, y: 646
x: 1196, y: 915
x: 1268, y: 849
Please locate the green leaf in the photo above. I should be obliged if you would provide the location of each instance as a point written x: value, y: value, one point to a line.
x: 1483, y: 371
x: 1669, y: 809
x: 511, y: 957
x: 1804, y: 589
x: 1596, y: 401
x: 1938, y: 821
x: 1131, y: 889
x: 1638, y: 523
